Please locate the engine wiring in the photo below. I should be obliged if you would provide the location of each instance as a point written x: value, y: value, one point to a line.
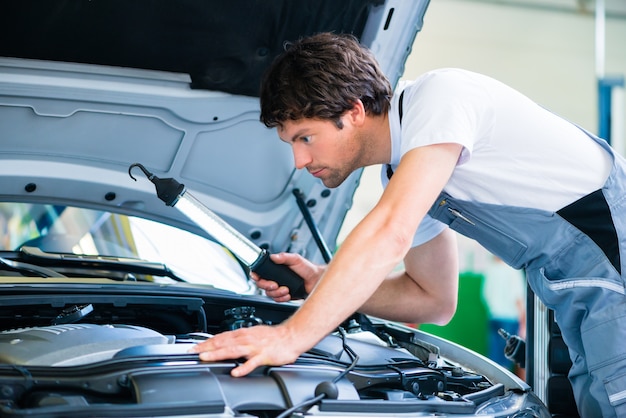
x: 326, y: 389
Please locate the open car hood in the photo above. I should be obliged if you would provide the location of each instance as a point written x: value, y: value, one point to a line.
x: 89, y: 88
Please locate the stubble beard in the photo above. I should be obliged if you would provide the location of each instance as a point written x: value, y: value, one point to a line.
x: 359, y: 157
x: 335, y: 179
x: 338, y: 175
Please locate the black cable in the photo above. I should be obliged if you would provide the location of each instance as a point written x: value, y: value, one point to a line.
x: 353, y: 356
x: 305, y: 405
x: 309, y: 403
x: 29, y: 382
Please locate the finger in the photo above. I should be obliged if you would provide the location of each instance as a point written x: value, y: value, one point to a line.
x: 246, y: 368
x: 284, y: 258
x: 199, y: 347
x: 285, y: 298
x: 215, y: 343
x: 278, y: 258
x: 267, y: 284
x: 232, y: 352
x: 278, y: 292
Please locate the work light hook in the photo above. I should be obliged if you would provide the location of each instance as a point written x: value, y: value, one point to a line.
x: 145, y: 171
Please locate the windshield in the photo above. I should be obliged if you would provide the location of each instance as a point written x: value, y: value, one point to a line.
x: 65, y: 229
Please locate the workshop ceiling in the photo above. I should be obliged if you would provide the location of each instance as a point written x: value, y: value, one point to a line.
x: 614, y: 9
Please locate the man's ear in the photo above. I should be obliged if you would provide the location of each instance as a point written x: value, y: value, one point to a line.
x: 356, y: 115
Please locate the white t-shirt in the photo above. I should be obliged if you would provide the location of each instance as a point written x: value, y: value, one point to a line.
x: 515, y: 152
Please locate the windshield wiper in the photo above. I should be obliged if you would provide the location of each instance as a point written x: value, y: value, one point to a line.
x: 82, y: 261
x: 29, y: 269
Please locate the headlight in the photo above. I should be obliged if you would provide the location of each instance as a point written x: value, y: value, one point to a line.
x: 514, y: 405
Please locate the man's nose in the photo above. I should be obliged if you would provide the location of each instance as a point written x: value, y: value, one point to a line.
x: 301, y: 157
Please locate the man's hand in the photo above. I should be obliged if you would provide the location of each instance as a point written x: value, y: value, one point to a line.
x: 309, y: 272
x: 260, y: 345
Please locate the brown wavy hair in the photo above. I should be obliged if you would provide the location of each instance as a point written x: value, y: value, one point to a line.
x: 321, y: 77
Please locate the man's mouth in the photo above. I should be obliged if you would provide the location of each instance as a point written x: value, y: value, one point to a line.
x: 316, y: 172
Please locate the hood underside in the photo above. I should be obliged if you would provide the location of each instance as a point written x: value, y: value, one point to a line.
x: 89, y: 88
x: 221, y: 45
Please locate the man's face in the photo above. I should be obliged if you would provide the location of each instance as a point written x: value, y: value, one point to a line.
x: 327, y: 152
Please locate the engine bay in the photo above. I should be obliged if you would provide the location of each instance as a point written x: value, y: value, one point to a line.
x: 125, y: 351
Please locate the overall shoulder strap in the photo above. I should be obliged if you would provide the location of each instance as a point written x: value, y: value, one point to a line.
x: 400, y: 100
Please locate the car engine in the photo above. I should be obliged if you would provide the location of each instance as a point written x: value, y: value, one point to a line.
x: 99, y: 365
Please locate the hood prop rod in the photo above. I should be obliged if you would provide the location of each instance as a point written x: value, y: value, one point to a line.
x: 308, y: 218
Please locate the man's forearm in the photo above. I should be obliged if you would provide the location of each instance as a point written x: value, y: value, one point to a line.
x: 426, y: 292
x: 399, y: 298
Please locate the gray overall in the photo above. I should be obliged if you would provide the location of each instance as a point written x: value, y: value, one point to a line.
x: 573, y: 261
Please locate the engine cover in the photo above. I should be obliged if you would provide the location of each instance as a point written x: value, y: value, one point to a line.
x: 71, y: 344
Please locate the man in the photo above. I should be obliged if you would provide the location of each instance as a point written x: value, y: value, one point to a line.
x: 464, y: 151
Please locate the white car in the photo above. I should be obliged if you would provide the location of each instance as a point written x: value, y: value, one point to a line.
x: 103, y: 287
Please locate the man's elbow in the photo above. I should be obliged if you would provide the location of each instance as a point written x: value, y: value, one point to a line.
x: 439, y: 313
x: 444, y: 314
x: 444, y: 311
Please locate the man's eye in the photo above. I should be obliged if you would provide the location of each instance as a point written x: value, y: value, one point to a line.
x: 305, y: 138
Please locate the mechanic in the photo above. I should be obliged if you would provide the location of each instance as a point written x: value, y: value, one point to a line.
x: 463, y: 152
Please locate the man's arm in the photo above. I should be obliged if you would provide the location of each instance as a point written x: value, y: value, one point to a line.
x: 369, y: 253
x: 426, y: 291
